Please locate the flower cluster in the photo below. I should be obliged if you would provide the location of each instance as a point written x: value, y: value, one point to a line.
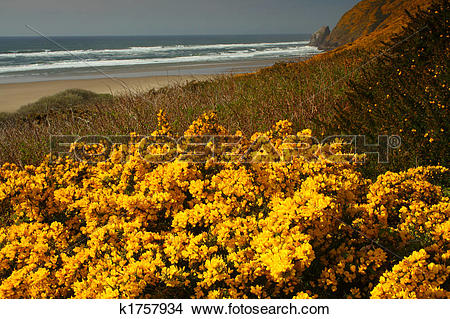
x: 129, y: 228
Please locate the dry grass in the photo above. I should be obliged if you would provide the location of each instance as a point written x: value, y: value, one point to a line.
x: 301, y: 92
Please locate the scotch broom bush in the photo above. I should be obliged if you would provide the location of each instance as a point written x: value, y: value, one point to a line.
x: 406, y: 93
x: 130, y: 228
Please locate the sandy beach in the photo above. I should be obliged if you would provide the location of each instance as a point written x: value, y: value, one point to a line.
x: 15, y: 95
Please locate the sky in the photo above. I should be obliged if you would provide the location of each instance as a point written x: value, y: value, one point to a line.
x: 169, y: 17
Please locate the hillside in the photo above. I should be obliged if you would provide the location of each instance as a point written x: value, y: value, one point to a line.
x: 372, y: 21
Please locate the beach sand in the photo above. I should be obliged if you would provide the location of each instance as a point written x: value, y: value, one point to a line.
x: 15, y: 95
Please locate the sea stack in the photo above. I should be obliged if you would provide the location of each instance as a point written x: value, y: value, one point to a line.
x: 319, y: 37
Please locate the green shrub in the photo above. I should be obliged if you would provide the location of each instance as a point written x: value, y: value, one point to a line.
x: 62, y: 100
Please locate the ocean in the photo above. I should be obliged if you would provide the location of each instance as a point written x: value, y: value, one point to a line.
x: 25, y: 59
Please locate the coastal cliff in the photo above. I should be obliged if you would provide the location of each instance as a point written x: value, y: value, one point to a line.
x: 372, y: 21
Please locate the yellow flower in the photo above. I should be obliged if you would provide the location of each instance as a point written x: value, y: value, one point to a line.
x: 130, y: 228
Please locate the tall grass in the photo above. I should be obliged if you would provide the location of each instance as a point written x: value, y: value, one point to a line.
x: 300, y: 92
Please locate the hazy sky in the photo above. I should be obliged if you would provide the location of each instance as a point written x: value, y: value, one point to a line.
x: 161, y: 17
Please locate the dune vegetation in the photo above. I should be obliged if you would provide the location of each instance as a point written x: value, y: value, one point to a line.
x: 249, y: 102
x: 245, y: 224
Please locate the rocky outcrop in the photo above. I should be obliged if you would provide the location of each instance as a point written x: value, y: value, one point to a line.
x: 376, y: 20
x: 319, y: 37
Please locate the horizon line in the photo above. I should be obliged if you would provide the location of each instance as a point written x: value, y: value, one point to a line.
x: 151, y: 35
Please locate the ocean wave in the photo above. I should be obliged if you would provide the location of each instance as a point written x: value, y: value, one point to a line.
x: 297, y: 51
x: 144, y: 50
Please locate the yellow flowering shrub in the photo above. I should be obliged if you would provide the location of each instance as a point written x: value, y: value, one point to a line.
x: 416, y: 276
x: 308, y: 227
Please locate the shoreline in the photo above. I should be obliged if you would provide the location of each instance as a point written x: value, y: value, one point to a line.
x: 14, y: 95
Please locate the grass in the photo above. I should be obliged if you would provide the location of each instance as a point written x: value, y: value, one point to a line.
x: 300, y: 92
